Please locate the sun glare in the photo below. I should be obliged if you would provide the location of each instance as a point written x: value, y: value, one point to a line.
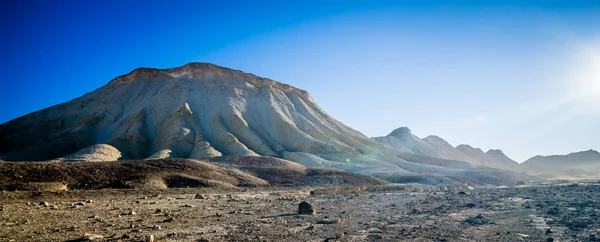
x: 584, y: 81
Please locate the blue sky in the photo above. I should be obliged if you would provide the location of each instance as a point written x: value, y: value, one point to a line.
x: 523, y: 76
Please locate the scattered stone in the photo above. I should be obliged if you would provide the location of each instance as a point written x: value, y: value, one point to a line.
x: 374, y: 237
x: 150, y: 238
x: 158, y: 210
x: 305, y: 208
x: 550, y: 239
x: 127, y: 236
x: 553, y: 211
x: 328, y: 221
x: 471, y: 205
x: 477, y: 220
x: 548, y: 231
x: 131, y: 212
x: 188, y: 206
x: 91, y: 237
x: 462, y: 193
x: 199, y: 196
x: 578, y: 225
x: 169, y: 220
x: 416, y: 211
x: 156, y: 227
x: 45, y: 204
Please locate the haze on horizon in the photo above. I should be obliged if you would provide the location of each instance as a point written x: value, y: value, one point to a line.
x: 522, y: 77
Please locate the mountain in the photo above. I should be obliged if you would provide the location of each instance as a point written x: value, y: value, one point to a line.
x: 582, y: 163
x: 436, y: 147
x: 402, y: 139
x: 201, y: 110
x: 501, y: 159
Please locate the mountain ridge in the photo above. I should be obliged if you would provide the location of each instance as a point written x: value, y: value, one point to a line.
x: 437, y: 147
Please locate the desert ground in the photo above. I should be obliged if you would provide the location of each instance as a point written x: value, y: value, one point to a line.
x: 539, y: 212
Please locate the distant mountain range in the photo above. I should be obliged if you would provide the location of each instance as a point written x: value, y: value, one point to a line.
x: 584, y: 163
x: 434, y: 146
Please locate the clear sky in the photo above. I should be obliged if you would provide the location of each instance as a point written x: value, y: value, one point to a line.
x: 523, y: 76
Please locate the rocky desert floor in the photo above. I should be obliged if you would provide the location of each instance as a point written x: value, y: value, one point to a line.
x: 543, y: 212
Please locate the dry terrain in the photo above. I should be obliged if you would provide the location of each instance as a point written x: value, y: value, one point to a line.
x: 542, y: 212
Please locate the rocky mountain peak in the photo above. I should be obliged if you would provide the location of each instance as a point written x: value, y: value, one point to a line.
x: 400, y: 132
x: 495, y: 152
x: 464, y: 147
x: 206, y: 72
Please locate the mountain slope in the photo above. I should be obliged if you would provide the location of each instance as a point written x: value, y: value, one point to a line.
x: 501, y: 159
x: 574, y: 164
x: 202, y: 110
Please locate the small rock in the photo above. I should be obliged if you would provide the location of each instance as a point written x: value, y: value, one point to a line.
x: 131, y: 212
x: 305, y: 208
x: 462, y: 193
x: 158, y: 210
x: 471, y: 205
x: 416, y: 211
x: 550, y: 239
x: 553, y: 211
x: 548, y: 231
x: 45, y: 204
x: 328, y: 221
x: 156, y: 227
x: 92, y: 237
x: 577, y: 225
x: 375, y: 237
x: 150, y: 238
x: 188, y: 206
x: 199, y: 196
x: 477, y: 220
x: 168, y: 220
